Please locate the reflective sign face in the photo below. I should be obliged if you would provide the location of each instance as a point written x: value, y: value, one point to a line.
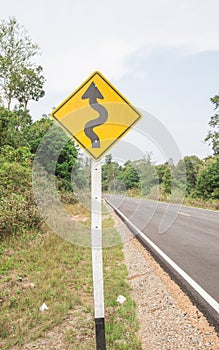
x: 96, y: 115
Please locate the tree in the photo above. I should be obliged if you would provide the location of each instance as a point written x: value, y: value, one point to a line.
x: 29, y: 85
x: 16, y: 67
x: 36, y: 131
x: 57, y: 153
x: 213, y: 136
x: 186, y: 173
x: 208, y: 180
x: 165, y: 177
x: 130, y: 176
x: 111, y: 175
x: 147, y: 174
x: 13, y: 127
x: 57, y: 150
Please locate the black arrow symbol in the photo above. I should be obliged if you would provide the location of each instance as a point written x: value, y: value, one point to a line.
x: 93, y: 93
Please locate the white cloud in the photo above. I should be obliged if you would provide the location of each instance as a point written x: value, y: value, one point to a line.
x: 68, y: 68
x: 101, y: 35
x: 79, y: 37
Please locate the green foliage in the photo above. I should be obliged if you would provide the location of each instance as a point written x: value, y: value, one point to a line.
x: 192, y: 165
x: 147, y: 174
x: 14, y: 175
x: 129, y: 176
x: 18, y: 77
x: 20, y: 138
x: 35, y: 133
x: 13, y: 127
x: 186, y: 172
x: 19, y: 141
x: 29, y: 85
x: 57, y: 154
x: 213, y: 136
x: 208, y: 181
x: 67, y: 164
x: 165, y: 177
x: 54, y: 151
x: 191, y: 178
x: 111, y: 171
x: 18, y: 211
x: 20, y: 155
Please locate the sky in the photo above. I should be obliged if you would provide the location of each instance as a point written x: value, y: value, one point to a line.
x: 163, y: 55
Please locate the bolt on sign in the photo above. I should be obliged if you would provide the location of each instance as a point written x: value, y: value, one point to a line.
x: 96, y: 115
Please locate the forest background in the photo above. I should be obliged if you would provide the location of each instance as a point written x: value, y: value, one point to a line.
x: 22, y: 80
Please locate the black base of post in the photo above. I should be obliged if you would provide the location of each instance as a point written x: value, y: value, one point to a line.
x: 100, y: 334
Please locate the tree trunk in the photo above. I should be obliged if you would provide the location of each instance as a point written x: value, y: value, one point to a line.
x: 25, y: 105
x: 9, y: 103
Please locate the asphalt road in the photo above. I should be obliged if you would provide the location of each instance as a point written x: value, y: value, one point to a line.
x: 191, y: 238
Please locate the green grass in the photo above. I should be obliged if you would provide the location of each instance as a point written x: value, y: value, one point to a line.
x: 61, y: 276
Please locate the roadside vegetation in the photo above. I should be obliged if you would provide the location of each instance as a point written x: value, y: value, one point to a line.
x: 192, y: 181
x: 40, y: 267
x: 36, y: 265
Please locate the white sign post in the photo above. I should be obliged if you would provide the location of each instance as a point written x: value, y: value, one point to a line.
x: 115, y: 117
x: 97, y: 260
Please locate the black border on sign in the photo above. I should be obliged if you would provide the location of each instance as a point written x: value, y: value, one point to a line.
x: 74, y: 93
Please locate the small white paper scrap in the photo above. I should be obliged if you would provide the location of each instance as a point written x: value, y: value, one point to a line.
x: 44, y: 307
x: 121, y: 299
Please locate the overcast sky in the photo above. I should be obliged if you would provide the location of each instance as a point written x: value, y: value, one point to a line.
x: 163, y: 55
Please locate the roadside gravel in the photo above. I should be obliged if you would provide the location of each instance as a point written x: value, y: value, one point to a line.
x: 167, y: 318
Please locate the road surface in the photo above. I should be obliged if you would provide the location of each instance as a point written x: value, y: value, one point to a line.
x: 191, y: 238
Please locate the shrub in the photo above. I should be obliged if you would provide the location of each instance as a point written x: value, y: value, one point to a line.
x: 18, y: 211
x: 208, y: 180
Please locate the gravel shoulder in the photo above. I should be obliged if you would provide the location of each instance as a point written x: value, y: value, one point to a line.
x: 167, y: 317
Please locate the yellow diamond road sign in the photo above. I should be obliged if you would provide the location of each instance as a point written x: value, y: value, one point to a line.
x: 96, y: 115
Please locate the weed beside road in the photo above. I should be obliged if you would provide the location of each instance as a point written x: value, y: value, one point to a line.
x: 40, y: 267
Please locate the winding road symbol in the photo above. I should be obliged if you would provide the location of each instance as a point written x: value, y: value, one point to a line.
x: 96, y: 116
x: 93, y: 93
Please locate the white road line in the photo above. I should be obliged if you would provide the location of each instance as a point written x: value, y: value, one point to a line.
x: 211, y: 301
x: 184, y: 214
